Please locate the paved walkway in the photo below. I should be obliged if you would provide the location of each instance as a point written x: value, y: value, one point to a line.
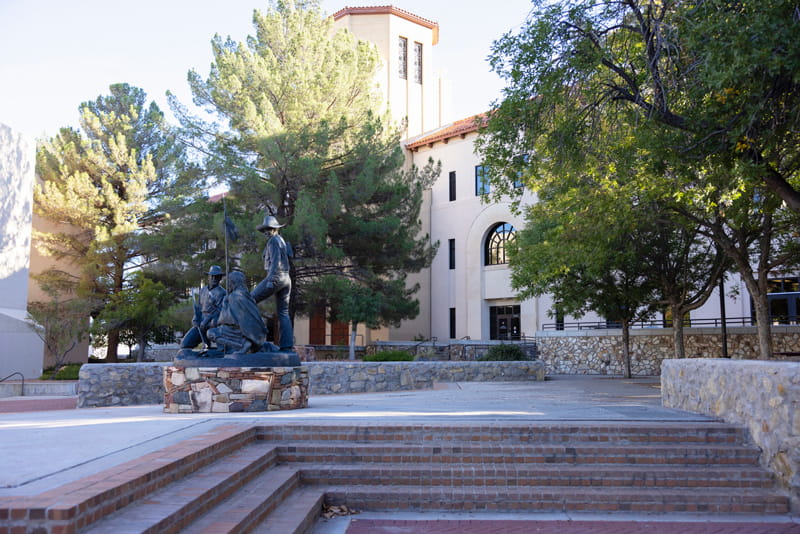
x: 43, y: 449
x: 527, y: 526
x: 37, y: 404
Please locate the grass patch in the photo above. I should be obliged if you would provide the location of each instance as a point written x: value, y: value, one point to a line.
x: 390, y: 356
x: 65, y: 372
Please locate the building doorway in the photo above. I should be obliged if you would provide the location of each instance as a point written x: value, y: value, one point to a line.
x: 504, y: 322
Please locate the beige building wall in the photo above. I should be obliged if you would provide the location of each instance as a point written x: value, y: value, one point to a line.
x: 40, y: 263
x: 423, y: 104
x: 471, y: 288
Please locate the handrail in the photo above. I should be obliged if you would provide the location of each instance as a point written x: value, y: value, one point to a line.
x: 329, y: 337
x: 22, y: 391
x: 714, y: 322
x: 433, y: 340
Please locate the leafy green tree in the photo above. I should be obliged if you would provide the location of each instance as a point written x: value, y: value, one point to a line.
x: 136, y: 310
x: 753, y: 229
x: 299, y: 136
x: 374, y: 305
x: 60, y: 322
x: 102, y: 187
x: 693, y: 101
x: 716, y: 76
x: 588, y: 260
x: 687, y: 267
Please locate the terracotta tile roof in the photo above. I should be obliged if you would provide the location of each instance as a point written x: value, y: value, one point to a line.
x: 458, y: 128
x: 390, y: 10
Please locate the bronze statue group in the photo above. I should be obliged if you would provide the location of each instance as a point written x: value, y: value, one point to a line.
x: 229, y: 322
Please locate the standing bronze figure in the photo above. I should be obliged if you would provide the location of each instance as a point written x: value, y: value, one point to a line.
x: 277, y: 281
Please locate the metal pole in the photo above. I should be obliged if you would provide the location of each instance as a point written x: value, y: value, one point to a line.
x: 225, y: 232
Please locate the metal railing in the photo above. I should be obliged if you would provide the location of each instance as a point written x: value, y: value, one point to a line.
x: 714, y: 322
x: 22, y: 391
x: 330, y: 338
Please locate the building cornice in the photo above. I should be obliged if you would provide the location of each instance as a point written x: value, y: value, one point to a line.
x: 458, y: 128
x: 391, y: 10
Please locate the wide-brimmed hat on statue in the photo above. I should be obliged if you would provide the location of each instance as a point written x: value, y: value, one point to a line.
x: 269, y: 222
x: 215, y: 270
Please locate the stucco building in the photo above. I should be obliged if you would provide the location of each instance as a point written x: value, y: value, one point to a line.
x: 466, y: 294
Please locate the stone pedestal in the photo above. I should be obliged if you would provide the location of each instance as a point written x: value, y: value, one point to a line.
x: 234, y: 389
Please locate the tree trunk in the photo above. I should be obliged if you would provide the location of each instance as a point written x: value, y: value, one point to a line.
x: 353, y: 341
x: 761, y: 305
x: 758, y: 292
x: 112, y: 346
x: 112, y: 350
x: 142, y: 345
x: 677, y: 333
x: 626, y: 347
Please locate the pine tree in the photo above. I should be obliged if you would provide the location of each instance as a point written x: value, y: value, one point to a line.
x: 101, y: 187
x: 304, y: 141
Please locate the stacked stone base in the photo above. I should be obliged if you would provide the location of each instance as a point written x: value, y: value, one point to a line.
x: 234, y: 389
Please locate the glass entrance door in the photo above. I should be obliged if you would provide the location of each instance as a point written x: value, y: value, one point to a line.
x: 504, y: 322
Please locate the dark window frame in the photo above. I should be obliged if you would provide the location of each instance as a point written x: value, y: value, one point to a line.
x: 452, y: 185
x: 482, y: 186
x: 402, y: 45
x: 495, y: 245
x: 451, y: 253
x: 417, y: 62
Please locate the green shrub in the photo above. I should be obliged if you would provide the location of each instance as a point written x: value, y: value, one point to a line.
x: 390, y: 356
x: 65, y: 372
x: 504, y: 353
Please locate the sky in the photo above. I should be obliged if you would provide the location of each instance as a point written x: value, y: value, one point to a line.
x: 55, y: 54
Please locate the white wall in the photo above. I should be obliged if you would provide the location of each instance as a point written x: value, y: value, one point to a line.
x: 20, y: 348
x: 471, y: 287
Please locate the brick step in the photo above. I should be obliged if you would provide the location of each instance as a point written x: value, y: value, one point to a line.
x: 79, y: 504
x: 616, y: 432
x: 544, y: 475
x: 250, y: 505
x: 296, y: 515
x: 179, y: 503
x: 700, y: 455
x: 556, y: 499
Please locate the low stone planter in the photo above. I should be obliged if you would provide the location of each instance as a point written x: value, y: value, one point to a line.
x: 128, y: 384
x: 120, y: 384
x: 372, y: 377
x: 234, y: 389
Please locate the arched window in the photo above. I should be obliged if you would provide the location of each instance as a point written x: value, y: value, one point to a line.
x: 500, y: 236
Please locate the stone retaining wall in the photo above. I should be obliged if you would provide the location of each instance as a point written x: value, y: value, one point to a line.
x: 120, y: 384
x: 763, y: 396
x: 366, y: 377
x: 127, y: 384
x: 599, y: 352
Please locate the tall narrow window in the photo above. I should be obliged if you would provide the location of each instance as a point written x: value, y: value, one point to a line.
x: 402, y: 57
x: 452, y: 252
x: 519, y: 162
x: 500, y: 237
x: 452, y: 185
x: 452, y: 323
x: 418, y: 62
x: 481, y: 181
